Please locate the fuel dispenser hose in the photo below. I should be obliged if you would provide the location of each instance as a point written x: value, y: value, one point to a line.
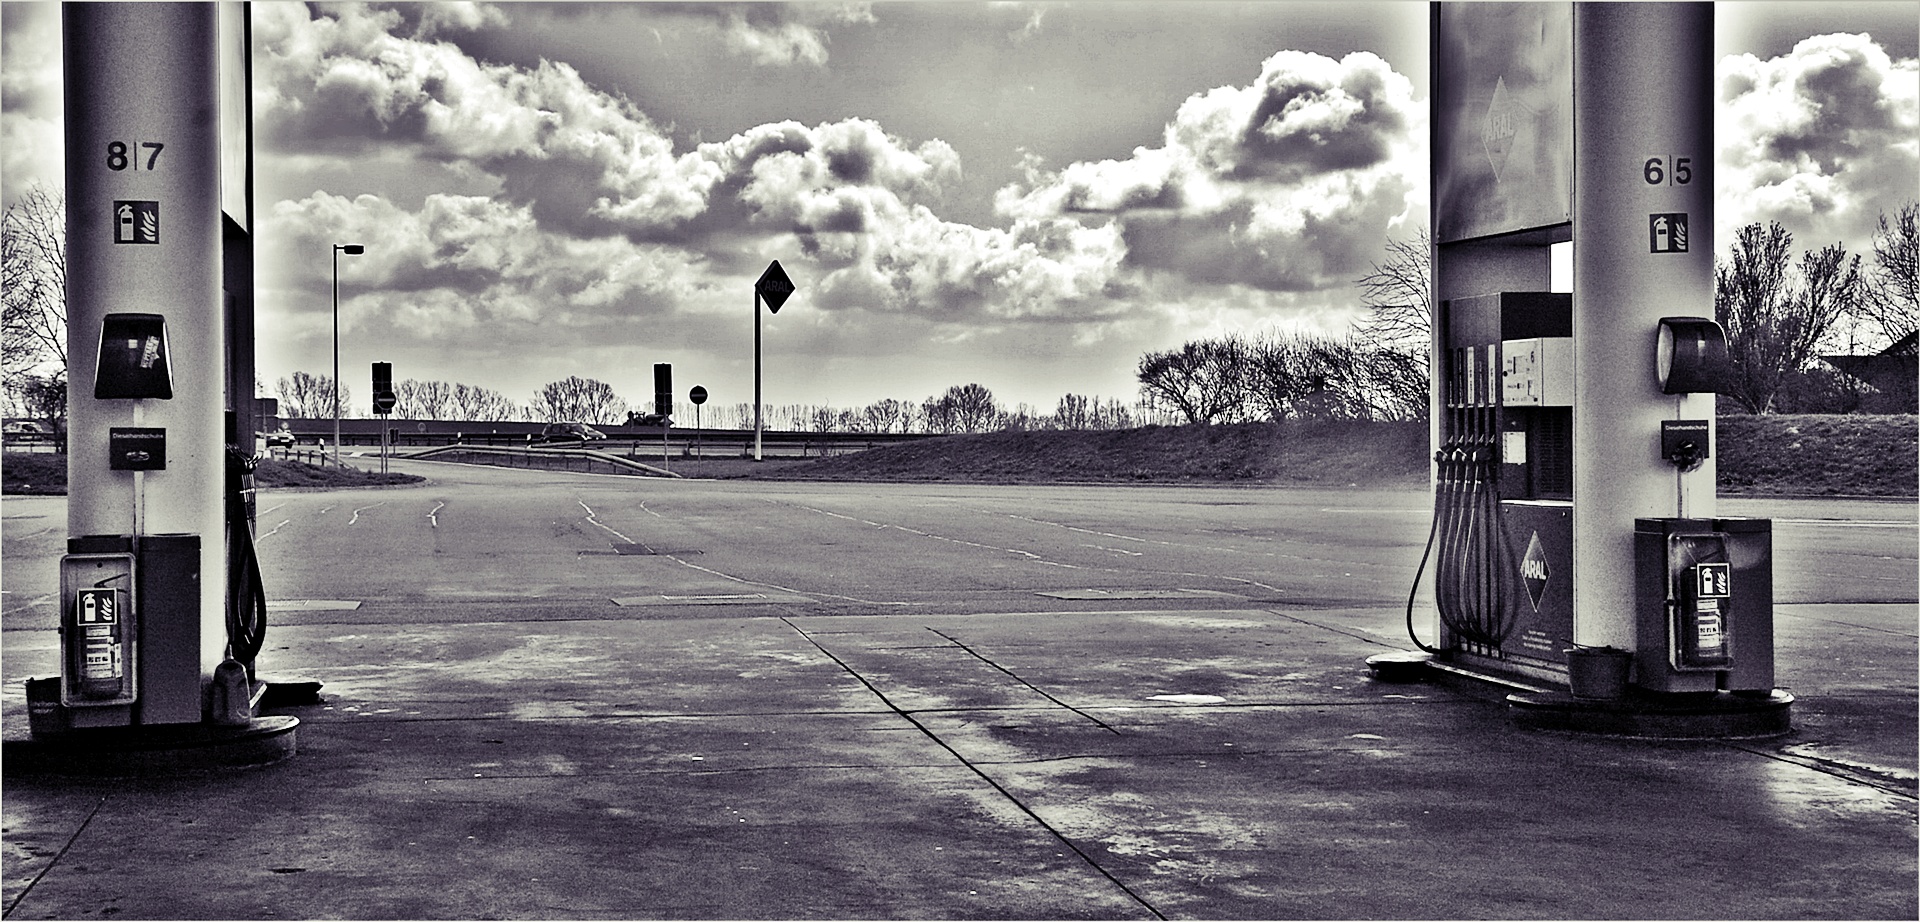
x: 246, y: 596
x: 1475, y: 559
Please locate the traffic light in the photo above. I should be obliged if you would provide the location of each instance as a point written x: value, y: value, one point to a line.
x: 383, y: 398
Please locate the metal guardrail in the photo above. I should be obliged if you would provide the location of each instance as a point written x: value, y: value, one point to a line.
x: 680, y: 442
x: 563, y: 459
x: 35, y: 442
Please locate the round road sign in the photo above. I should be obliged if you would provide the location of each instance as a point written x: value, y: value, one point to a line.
x: 698, y: 395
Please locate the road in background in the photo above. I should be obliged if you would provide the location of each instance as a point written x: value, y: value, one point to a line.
x: 561, y: 545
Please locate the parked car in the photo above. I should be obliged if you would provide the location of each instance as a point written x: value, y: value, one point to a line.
x: 24, y: 427
x: 648, y: 419
x: 569, y: 432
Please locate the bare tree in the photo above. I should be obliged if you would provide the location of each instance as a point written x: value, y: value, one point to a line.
x: 422, y: 399
x: 888, y: 415
x: 1204, y: 380
x: 1893, y: 293
x: 1400, y: 384
x: 937, y: 415
x: 974, y: 409
x: 1073, y: 412
x: 1110, y: 415
x: 481, y: 405
x: 33, y: 277
x: 45, y: 397
x: 577, y: 399
x: 1777, y: 319
x: 1399, y: 295
x: 305, y: 396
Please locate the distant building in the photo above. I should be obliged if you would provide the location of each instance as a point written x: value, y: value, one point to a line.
x: 1894, y: 372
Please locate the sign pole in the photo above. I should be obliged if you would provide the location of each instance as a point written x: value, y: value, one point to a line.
x: 774, y: 286
x: 756, y: 374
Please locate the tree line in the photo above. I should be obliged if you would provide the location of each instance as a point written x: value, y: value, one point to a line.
x: 962, y: 408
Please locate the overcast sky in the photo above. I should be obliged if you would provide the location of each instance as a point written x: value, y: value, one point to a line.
x: 1024, y: 195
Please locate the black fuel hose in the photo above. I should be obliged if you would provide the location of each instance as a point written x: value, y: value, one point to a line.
x: 1474, y: 557
x: 246, y: 595
x: 1433, y: 531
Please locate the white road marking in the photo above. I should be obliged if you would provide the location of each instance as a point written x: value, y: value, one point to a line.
x: 603, y: 526
x: 434, y: 516
x: 1036, y: 558
x: 265, y: 535
x: 356, y: 512
x: 1829, y: 523
x: 313, y: 604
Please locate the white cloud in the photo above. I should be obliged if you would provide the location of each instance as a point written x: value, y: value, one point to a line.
x: 348, y: 86
x: 31, y: 140
x: 1289, y: 183
x: 443, y: 16
x: 780, y: 34
x: 1821, y: 139
x: 466, y: 266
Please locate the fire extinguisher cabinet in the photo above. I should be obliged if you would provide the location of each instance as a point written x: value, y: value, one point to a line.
x: 1669, y: 555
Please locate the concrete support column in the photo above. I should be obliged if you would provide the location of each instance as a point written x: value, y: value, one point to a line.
x: 143, y: 126
x: 1643, y: 233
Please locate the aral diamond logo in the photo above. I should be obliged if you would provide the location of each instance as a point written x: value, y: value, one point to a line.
x: 1501, y: 126
x: 1533, y: 570
x: 774, y: 286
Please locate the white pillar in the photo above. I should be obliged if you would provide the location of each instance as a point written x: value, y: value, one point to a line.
x: 1643, y: 149
x: 143, y: 76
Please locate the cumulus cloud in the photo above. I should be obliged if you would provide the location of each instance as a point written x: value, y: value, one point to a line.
x: 348, y: 85
x: 30, y: 100
x: 468, y: 263
x: 1285, y: 185
x: 785, y: 33
x: 1288, y: 183
x: 1821, y: 139
x: 452, y: 16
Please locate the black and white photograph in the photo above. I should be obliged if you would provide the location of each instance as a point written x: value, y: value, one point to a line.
x: 939, y: 459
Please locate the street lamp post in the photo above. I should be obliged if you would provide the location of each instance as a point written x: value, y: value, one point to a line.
x: 351, y: 249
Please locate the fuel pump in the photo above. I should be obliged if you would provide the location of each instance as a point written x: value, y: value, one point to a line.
x: 1502, y: 510
x: 160, y: 601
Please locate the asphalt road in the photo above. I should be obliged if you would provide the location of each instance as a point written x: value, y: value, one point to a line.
x: 478, y: 542
x: 568, y: 696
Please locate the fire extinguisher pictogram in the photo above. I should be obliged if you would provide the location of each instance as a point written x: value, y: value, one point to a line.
x: 102, y: 660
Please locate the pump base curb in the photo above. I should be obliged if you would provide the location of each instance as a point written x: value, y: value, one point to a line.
x: 1639, y: 715
x: 1712, y: 715
x: 153, y: 750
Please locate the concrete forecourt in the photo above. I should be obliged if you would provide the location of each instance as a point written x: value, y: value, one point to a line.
x: 556, y: 695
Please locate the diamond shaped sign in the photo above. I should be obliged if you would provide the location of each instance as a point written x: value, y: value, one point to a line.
x: 1533, y: 571
x: 1501, y: 126
x: 774, y: 286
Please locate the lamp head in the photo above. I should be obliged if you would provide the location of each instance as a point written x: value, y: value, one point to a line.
x: 351, y: 249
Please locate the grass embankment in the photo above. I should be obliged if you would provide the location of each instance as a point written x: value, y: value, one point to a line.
x: 1758, y: 455
x: 1819, y: 455
x: 1319, y: 453
x: 45, y: 473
